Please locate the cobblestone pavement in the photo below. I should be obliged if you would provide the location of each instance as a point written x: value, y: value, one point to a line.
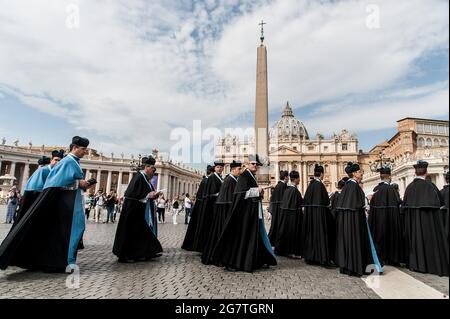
x: 180, y: 274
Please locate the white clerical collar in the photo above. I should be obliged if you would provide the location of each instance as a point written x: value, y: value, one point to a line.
x: 353, y: 180
x: 232, y: 176
x: 385, y: 182
x: 421, y: 177
x: 318, y: 179
x: 218, y: 176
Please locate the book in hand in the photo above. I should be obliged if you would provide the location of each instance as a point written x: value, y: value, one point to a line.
x: 92, y: 181
x: 252, y: 193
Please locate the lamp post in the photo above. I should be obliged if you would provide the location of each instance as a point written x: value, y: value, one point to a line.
x: 136, y: 165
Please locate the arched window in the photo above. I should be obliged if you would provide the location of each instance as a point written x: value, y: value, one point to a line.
x: 429, y: 142
x: 421, y: 142
x: 444, y: 142
x: 436, y: 142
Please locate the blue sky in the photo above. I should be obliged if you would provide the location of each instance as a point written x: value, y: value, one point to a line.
x: 132, y: 71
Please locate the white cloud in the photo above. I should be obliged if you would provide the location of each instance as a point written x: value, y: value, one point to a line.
x: 138, y: 68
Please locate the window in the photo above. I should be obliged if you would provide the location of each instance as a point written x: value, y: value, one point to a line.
x: 434, y: 129
x: 441, y: 129
x: 420, y: 128
x: 429, y: 142
x: 325, y: 149
x: 228, y: 149
x: 310, y: 148
x: 344, y: 146
x: 295, y: 148
x: 436, y: 142
x: 421, y: 142
x: 428, y: 128
x: 444, y: 142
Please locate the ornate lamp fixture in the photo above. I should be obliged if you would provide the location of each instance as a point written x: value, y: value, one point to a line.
x: 381, y: 162
x: 136, y: 165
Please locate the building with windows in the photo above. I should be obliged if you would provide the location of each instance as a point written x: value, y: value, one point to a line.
x: 17, y: 163
x: 416, y: 139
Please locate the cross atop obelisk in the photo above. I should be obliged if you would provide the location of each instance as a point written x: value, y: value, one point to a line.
x: 262, y: 108
x: 262, y: 31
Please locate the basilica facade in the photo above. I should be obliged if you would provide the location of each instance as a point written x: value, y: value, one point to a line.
x: 292, y: 148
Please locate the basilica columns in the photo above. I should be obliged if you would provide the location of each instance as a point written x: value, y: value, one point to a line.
x: 108, y: 182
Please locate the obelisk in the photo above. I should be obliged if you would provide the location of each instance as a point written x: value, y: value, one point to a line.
x: 262, y: 109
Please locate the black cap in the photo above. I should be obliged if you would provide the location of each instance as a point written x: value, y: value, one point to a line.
x: 57, y: 153
x: 219, y: 163
x: 80, y: 141
x: 254, y: 158
x: 352, y: 167
x: 284, y: 174
x: 209, y: 167
x: 44, y: 160
x: 384, y: 170
x: 294, y: 174
x: 235, y: 164
x: 342, y: 182
x: 318, y: 169
x: 148, y: 160
x: 421, y: 164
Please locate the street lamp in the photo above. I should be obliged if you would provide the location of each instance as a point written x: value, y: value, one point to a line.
x: 136, y: 165
x: 381, y: 162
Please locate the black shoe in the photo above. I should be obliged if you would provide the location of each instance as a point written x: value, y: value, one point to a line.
x: 230, y: 269
x: 126, y: 261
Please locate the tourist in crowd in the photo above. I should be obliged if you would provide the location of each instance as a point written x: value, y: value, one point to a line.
x: 175, y: 210
x: 110, y: 205
x: 13, y: 201
x: 100, y: 202
x: 88, y: 204
x: 161, y: 207
x: 118, y: 208
x: 187, y: 208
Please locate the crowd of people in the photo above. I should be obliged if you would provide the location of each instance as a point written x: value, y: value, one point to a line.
x: 348, y: 230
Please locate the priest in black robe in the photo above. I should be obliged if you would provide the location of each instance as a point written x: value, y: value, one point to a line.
x: 385, y: 221
x: 210, y: 194
x: 427, y: 243
x: 244, y: 244
x: 288, y: 242
x: 47, y: 236
x: 275, y: 203
x: 354, y: 246
x: 334, y: 197
x: 318, y: 233
x: 36, y: 182
x: 189, y: 242
x: 221, y: 211
x: 135, y: 239
x: 444, y: 195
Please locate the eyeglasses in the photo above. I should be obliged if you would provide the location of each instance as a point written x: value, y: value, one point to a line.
x: 253, y: 163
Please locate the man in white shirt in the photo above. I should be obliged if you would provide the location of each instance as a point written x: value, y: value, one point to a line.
x: 187, y: 209
x: 100, y: 202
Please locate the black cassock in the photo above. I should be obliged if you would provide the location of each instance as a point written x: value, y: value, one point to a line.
x: 135, y: 239
x: 444, y: 195
x: 210, y: 195
x: 319, y: 228
x: 189, y: 243
x: 354, y: 250
x: 244, y: 244
x: 221, y: 212
x: 386, y: 225
x: 333, y: 201
x: 427, y: 244
x: 274, y: 209
x: 288, y: 241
